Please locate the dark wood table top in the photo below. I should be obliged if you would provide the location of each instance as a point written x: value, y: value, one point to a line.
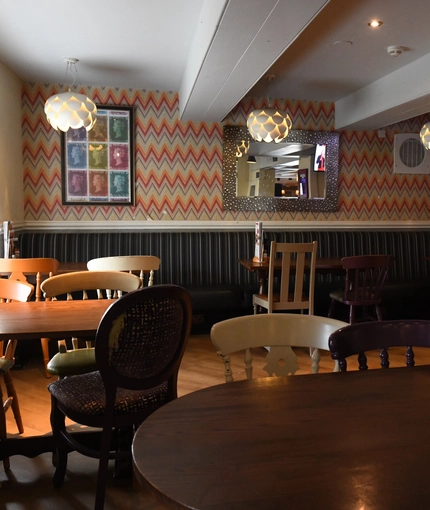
x: 322, y: 263
x: 342, y: 441
x: 52, y: 319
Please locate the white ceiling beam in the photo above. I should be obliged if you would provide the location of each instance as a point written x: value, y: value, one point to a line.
x: 223, y: 71
x: 401, y: 95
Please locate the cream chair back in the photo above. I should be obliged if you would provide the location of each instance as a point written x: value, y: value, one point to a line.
x: 277, y: 333
x: 140, y: 264
x: 298, y: 260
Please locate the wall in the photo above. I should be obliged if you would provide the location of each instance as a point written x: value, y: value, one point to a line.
x: 11, y: 189
x: 179, y: 165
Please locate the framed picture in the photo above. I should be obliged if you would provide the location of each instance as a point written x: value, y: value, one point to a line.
x: 97, y: 166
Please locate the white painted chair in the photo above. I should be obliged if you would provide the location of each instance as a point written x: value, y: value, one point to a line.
x: 279, y: 332
x: 139, y: 264
x: 298, y: 260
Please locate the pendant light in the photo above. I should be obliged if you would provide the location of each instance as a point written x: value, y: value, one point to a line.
x: 70, y: 110
x: 268, y: 124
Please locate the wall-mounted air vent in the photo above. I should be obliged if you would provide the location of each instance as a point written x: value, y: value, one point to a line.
x: 410, y: 156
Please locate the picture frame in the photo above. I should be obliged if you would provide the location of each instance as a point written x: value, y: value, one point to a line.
x: 97, y: 166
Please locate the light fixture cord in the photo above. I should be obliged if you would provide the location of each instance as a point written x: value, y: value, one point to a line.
x: 70, y: 70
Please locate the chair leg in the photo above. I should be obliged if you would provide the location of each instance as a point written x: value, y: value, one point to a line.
x: 11, y: 392
x: 352, y: 314
x: 103, y: 467
x: 3, y: 432
x: 58, y: 425
x: 332, y: 307
x: 45, y: 351
x: 378, y: 313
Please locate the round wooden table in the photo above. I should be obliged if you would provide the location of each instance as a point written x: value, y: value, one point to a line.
x: 343, y: 441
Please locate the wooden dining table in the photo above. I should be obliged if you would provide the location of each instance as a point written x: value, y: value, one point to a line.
x: 55, y: 320
x: 323, y: 265
x: 335, y: 441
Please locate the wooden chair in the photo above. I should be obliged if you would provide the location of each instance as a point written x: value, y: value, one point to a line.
x: 277, y: 333
x: 366, y: 276
x: 104, y: 284
x: 298, y: 260
x: 10, y: 290
x: 39, y: 268
x: 141, y: 264
x: 368, y: 336
x: 139, y: 346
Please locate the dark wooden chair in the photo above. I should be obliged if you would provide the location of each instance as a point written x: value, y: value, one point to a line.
x: 139, y: 346
x: 365, y: 280
x: 368, y: 336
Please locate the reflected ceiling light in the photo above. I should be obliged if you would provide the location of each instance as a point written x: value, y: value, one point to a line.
x: 425, y: 135
x: 268, y: 124
x: 70, y: 110
x: 251, y: 159
x: 242, y: 147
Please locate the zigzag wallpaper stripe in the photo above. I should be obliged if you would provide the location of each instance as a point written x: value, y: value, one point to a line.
x: 179, y: 164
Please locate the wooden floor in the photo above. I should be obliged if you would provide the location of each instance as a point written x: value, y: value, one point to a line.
x: 28, y: 483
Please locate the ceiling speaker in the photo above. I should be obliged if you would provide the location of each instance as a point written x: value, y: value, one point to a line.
x: 410, y: 156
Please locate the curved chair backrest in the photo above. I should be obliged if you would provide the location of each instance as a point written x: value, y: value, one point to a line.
x: 367, y: 336
x: 90, y: 280
x: 142, y: 337
x: 14, y: 290
x: 279, y: 332
x: 143, y: 264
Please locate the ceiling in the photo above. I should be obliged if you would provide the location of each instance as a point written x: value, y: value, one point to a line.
x: 216, y: 52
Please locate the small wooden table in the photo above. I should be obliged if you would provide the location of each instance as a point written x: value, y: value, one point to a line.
x: 323, y: 265
x: 343, y: 441
x: 52, y: 319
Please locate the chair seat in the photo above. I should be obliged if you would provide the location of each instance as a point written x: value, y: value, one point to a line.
x: 354, y: 298
x: 79, y: 361
x: 5, y: 365
x: 86, y: 394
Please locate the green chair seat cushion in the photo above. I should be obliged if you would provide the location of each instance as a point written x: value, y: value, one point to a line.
x: 5, y: 365
x: 78, y: 361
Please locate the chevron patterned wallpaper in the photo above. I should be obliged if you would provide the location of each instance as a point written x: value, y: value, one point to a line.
x: 179, y: 164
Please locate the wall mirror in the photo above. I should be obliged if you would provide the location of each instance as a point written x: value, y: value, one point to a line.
x: 298, y: 174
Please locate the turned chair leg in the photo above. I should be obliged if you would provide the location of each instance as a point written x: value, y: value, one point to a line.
x: 3, y: 432
x: 11, y: 393
x: 45, y: 351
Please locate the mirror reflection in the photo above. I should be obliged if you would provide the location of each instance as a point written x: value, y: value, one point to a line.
x: 286, y: 170
x: 298, y: 174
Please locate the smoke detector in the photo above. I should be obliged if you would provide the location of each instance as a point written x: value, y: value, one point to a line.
x: 395, y: 51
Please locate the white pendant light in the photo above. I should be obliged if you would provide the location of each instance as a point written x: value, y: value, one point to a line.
x: 268, y: 124
x: 242, y: 147
x: 425, y: 135
x: 70, y: 110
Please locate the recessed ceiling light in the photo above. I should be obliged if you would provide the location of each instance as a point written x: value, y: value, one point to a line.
x: 375, y: 23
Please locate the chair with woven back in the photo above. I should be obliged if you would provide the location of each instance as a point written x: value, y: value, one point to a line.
x: 296, y: 281
x: 103, y: 284
x: 139, y: 346
x: 10, y: 290
x: 28, y: 269
x: 275, y: 333
x: 357, y: 339
x: 366, y: 276
x: 139, y: 264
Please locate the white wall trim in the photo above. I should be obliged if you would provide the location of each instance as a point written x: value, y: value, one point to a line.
x: 216, y: 225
